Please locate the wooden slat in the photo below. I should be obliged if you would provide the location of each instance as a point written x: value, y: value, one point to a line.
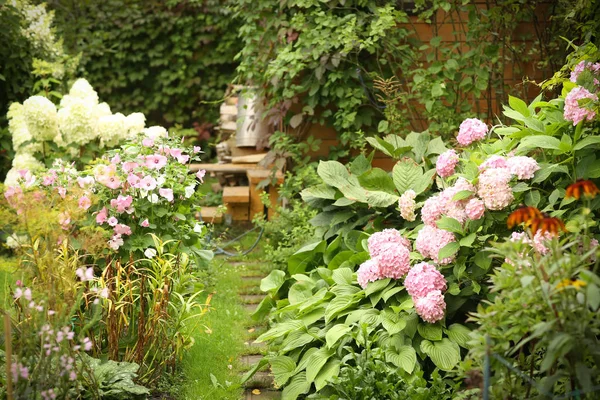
x: 236, y: 194
x: 231, y: 168
x: 249, y: 159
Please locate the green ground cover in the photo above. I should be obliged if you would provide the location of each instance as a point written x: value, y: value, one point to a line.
x: 8, y: 276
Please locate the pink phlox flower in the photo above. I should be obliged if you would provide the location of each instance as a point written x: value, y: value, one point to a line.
x: 148, y: 142
x: 122, y: 229
x: 102, y: 216
x: 166, y: 193
x: 432, y: 307
x: 493, y: 161
x: 145, y: 223
x: 573, y: 111
x: 200, y: 175
x: 148, y: 183
x: 522, y: 167
x: 494, y: 188
x: 474, y: 209
x: 155, y: 161
x: 377, y: 240
x: 446, y: 163
x: 84, y: 202
x: 121, y: 203
x: 430, y: 240
x: 112, y: 221
x: 368, y: 272
x: 129, y: 166
x: 422, y: 279
x: 540, y: 240
x: 471, y: 130
x: 393, y: 260
x: 85, y: 182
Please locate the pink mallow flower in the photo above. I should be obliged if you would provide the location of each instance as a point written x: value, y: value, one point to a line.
x: 122, y: 229
x: 471, y: 130
x: 102, y: 216
x: 368, y: 272
x: 432, y: 307
x: 116, y: 159
x: 134, y: 181
x: 430, y: 240
x: 84, y: 202
x: 493, y: 188
x: 197, y: 149
x: 112, y: 221
x: 148, y: 142
x: 156, y: 161
x: 393, y: 260
x: 129, y: 166
x: 85, y: 274
x: 522, y: 167
x: 121, y: 203
x: 422, y: 279
x: 145, y: 223
x: 573, y: 111
x: 166, y: 193
x: 148, y: 183
x: 184, y: 158
x: 85, y: 182
x: 446, y: 163
x: 64, y: 219
x: 107, y: 175
x: 200, y: 175
x: 377, y: 240
x: 115, y: 242
x: 62, y: 191
x: 49, y: 179
x: 474, y: 209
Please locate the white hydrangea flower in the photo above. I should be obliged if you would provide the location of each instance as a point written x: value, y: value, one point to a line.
x: 22, y: 161
x: 42, y: 118
x: 155, y: 132
x: 82, y: 89
x: 78, y: 121
x: 111, y: 129
x: 135, y: 124
x: 103, y: 110
x: 17, y: 126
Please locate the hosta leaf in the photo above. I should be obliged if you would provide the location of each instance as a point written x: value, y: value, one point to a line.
x: 273, y: 281
x: 445, y: 354
x: 316, y: 361
x: 342, y: 276
x: 280, y: 329
x: 392, y: 322
x: 335, y: 333
x: 296, y: 340
x: 376, y: 286
x: 338, y: 305
x: 405, y: 358
x: 459, y: 334
x: 327, y: 373
x: 298, y: 385
x: 430, y: 331
x: 283, y: 369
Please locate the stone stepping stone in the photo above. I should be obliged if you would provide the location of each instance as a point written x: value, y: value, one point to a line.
x: 251, y: 308
x: 250, y: 360
x: 262, y: 395
x: 261, y: 379
x: 255, y: 348
x: 252, y: 299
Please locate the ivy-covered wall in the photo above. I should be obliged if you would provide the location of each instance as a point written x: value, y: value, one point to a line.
x: 166, y: 59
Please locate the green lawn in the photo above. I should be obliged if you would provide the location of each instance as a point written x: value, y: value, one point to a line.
x: 219, y: 341
x: 8, y: 277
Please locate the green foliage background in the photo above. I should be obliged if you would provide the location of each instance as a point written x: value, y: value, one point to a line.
x: 162, y: 58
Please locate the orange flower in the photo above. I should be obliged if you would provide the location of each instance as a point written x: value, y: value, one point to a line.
x: 588, y: 188
x: 547, y: 224
x: 523, y: 215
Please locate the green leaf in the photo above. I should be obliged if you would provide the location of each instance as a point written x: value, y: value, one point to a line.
x: 339, y: 304
x: 254, y: 369
x: 333, y: 173
x: 380, y: 199
x: 373, y: 287
x: 318, y: 192
x: 335, y: 333
x: 585, y: 142
x: 463, y: 194
x: 283, y: 369
x: 383, y: 126
x: 316, y: 361
x: 519, y: 106
x: 300, y: 291
x: 436, y: 146
x: 405, y: 358
x: 392, y: 322
x: 445, y: 354
x: 539, y: 141
x: 459, y: 334
x: 378, y: 180
x: 532, y: 198
x: 381, y: 145
x: 298, y: 261
x: 298, y: 385
x: 449, y: 224
x: 448, y: 250
x: 468, y: 240
x: 425, y: 181
x: 273, y: 281
x: 327, y: 373
x: 406, y: 175
x: 342, y: 276
x: 280, y: 329
x: 297, y: 339
x: 430, y: 331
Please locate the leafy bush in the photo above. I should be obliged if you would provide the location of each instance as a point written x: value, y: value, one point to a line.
x: 465, y: 196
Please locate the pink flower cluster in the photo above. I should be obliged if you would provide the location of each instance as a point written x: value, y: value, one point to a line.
x: 431, y: 308
x: 583, y: 65
x: 575, y: 112
x: 471, y: 130
x: 443, y: 204
x: 494, y: 188
x: 430, y: 240
x: 425, y: 285
x: 407, y: 205
x: 390, y: 257
x: 446, y: 163
x: 522, y: 167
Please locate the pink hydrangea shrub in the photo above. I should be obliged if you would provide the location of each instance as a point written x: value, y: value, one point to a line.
x: 377, y: 240
x: 573, y: 111
x: 493, y: 161
x: 422, y: 279
x: 474, y: 209
x: 393, y: 260
x: 446, y: 163
x: 493, y: 188
x: 430, y: 240
x: 407, y: 205
x: 367, y: 272
x: 583, y: 65
x: 432, y: 307
x: 471, y: 130
x: 522, y: 167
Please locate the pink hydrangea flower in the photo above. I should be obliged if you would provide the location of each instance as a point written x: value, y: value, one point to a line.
x: 474, y: 209
x: 84, y: 202
x: 446, y: 163
x: 85, y: 182
x: 102, y: 216
x: 432, y: 307
x: 493, y: 161
x: 121, y: 203
x: 148, y: 183
x: 367, y: 272
x: 583, y: 65
x: 166, y: 193
x: 145, y: 223
x: 573, y: 111
x: 377, y: 240
x: 148, y: 142
x: 112, y: 221
x: 422, y: 279
x: 129, y: 166
x: 122, y: 229
x: 407, y: 205
x: 430, y: 240
x: 200, y: 175
x: 522, y: 167
x: 432, y: 209
x: 493, y: 188
x: 471, y: 130
x: 156, y: 161
x: 393, y: 260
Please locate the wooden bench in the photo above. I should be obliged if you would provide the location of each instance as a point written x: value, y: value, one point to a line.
x: 256, y: 176
x: 237, y: 200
